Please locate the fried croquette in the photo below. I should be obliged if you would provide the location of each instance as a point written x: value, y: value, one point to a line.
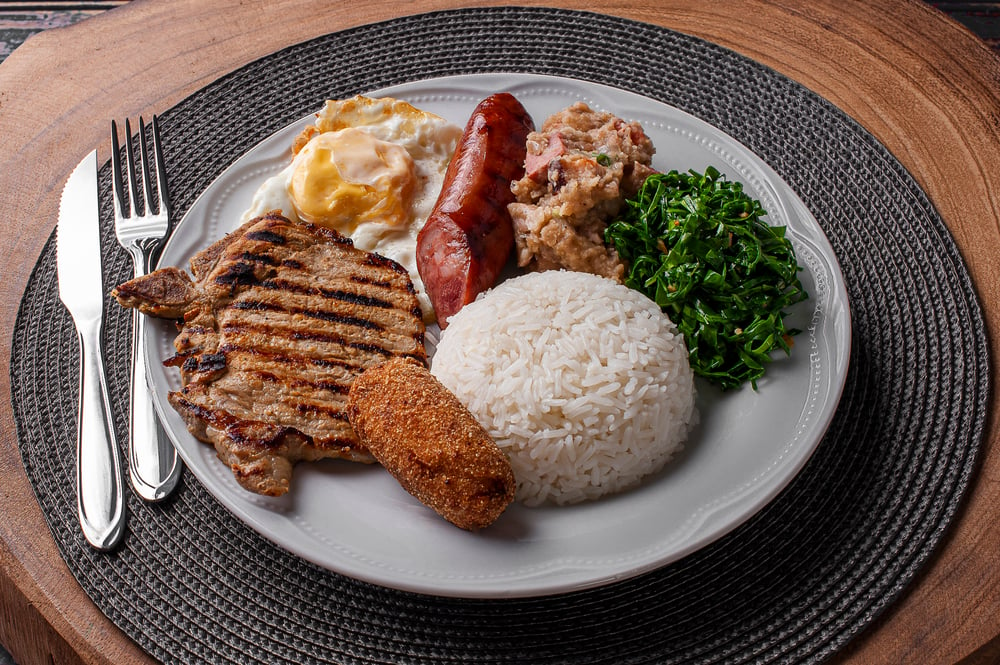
x: 426, y: 438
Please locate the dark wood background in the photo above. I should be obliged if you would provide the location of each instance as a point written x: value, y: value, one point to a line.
x: 20, y: 20
x: 982, y: 18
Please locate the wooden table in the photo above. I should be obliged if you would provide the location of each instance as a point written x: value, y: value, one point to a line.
x: 921, y: 83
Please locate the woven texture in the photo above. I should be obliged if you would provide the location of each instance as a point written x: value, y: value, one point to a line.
x: 794, y: 584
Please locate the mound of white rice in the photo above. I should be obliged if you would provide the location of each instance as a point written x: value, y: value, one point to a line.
x: 584, y: 382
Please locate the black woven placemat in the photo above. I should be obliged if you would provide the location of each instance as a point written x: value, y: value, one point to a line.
x: 794, y: 584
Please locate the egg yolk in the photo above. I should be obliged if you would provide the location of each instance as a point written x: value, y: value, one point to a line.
x: 344, y: 178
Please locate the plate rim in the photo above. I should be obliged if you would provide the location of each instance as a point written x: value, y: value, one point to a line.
x: 843, y: 350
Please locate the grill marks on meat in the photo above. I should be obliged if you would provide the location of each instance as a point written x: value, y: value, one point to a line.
x: 280, y: 319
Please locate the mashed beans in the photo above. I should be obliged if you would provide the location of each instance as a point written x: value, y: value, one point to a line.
x: 583, y: 382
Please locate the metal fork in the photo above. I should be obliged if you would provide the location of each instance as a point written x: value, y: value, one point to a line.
x: 154, y: 467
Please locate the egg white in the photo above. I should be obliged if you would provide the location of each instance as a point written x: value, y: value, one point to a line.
x: 430, y: 142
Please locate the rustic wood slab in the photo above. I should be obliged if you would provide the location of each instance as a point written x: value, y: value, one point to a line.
x: 918, y: 81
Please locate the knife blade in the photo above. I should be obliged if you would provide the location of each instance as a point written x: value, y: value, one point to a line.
x: 100, y: 492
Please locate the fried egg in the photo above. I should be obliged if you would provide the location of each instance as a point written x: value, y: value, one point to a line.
x: 371, y: 169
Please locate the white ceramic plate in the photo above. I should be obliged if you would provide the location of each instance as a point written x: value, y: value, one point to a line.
x: 356, y: 520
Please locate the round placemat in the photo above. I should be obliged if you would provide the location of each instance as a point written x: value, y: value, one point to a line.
x: 794, y: 584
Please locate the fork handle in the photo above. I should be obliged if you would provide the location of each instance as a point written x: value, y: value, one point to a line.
x: 154, y: 467
x: 99, y: 491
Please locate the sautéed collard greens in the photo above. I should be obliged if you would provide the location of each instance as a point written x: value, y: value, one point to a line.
x: 696, y: 244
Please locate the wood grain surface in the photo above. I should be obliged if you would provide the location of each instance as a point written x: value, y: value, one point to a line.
x: 920, y: 82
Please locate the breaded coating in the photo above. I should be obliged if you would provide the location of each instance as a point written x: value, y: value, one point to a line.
x: 426, y: 438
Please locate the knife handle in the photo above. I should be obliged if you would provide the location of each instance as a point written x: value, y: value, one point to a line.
x: 99, y: 490
x: 153, y: 464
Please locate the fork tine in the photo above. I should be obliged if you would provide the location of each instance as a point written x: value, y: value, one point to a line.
x: 116, y: 171
x: 161, y: 171
x: 132, y: 174
x: 144, y: 166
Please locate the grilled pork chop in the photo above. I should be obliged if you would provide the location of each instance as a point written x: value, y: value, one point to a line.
x: 280, y: 317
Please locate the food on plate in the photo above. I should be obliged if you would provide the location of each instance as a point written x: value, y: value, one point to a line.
x: 430, y: 443
x: 579, y: 167
x: 166, y: 294
x: 278, y: 320
x: 582, y: 381
x: 469, y: 236
x: 697, y: 245
x: 302, y: 332
x: 370, y: 169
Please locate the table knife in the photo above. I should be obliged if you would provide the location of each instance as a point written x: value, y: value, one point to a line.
x: 100, y: 492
